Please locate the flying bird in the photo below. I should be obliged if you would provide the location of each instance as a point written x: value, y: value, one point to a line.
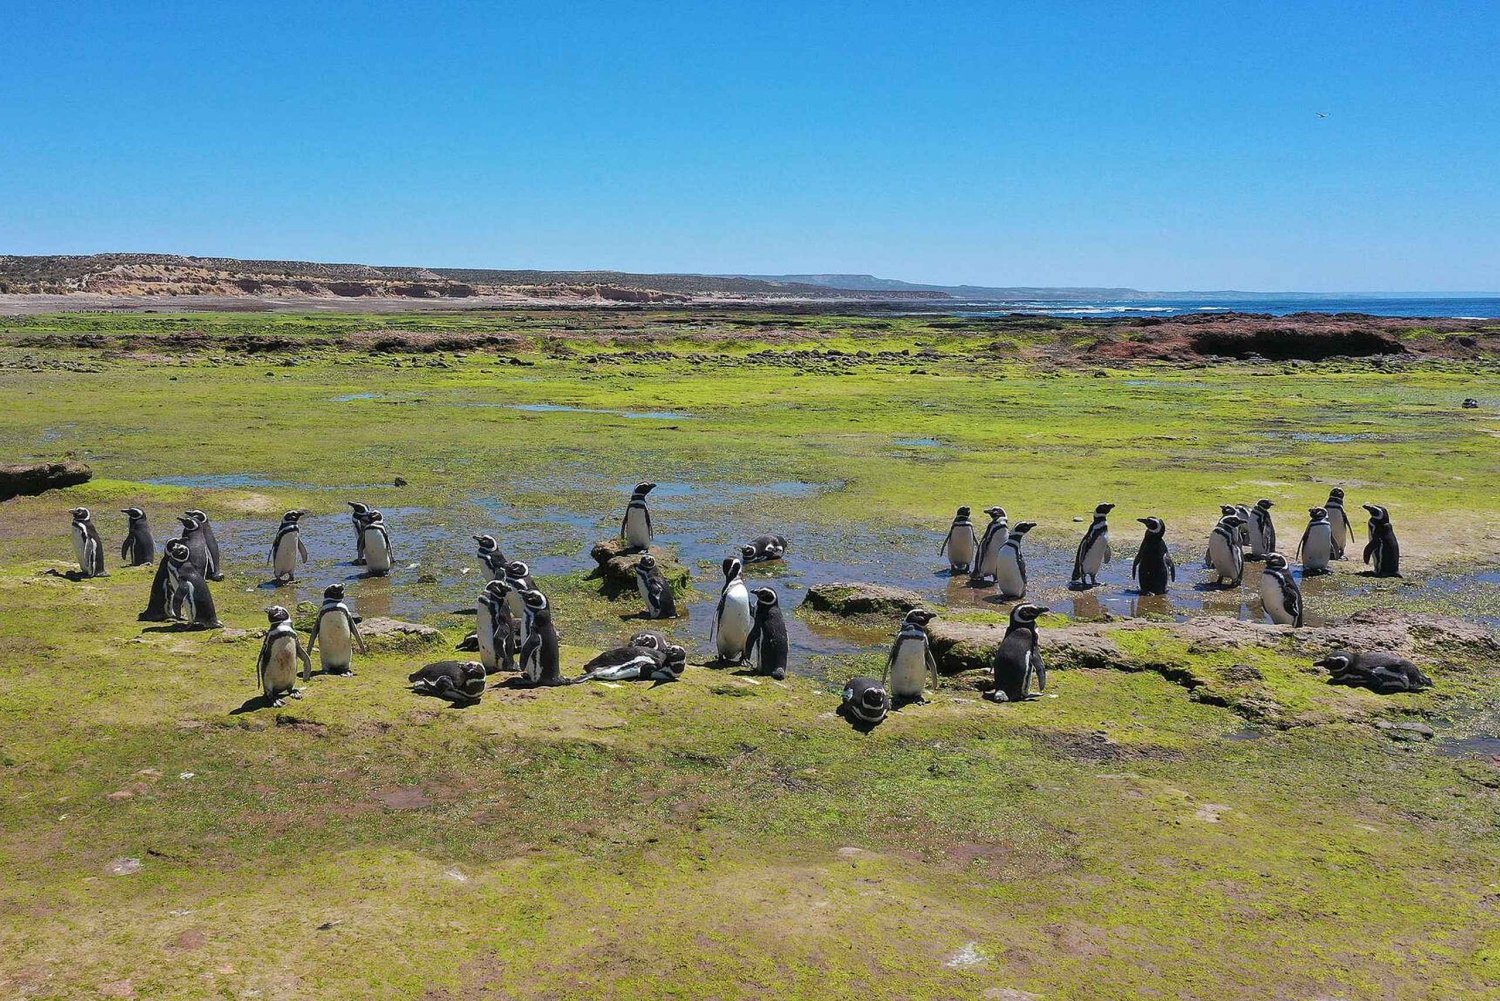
x: 1321, y: 114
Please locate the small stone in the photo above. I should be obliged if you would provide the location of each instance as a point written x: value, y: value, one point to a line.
x: 123, y: 867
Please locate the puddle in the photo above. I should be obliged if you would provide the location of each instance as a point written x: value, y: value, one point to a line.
x: 559, y: 408
x: 230, y: 481
x: 919, y: 442
x: 1311, y: 436
x: 1482, y: 747
x: 351, y: 397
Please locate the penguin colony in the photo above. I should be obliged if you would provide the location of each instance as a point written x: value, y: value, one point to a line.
x: 515, y: 632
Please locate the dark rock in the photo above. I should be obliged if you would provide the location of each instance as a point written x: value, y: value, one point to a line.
x: 1242, y: 673
x: 861, y: 599
x: 1404, y: 731
x: 617, y: 566
x: 28, y: 480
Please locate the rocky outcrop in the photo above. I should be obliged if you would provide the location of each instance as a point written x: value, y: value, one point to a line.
x: 398, y: 635
x: 617, y: 565
x: 27, y: 480
x: 850, y: 599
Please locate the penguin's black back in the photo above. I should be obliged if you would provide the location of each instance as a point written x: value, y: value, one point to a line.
x: 772, y: 642
x: 142, y: 547
x: 156, y: 606
x: 1153, y: 571
x: 1010, y: 662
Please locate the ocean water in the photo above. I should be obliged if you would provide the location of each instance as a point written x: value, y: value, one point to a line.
x: 1473, y: 307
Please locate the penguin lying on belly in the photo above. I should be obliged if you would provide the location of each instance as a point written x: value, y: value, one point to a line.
x: 636, y: 663
x: 764, y: 549
x: 460, y: 682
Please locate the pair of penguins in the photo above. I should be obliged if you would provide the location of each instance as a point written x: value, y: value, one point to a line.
x: 281, y: 649
x: 910, y: 664
x: 138, y: 549
x: 180, y: 589
x: 372, y: 542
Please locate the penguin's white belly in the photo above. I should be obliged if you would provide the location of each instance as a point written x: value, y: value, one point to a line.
x: 1271, y: 601
x: 909, y: 670
x: 484, y: 626
x: 735, y: 623
x: 335, y: 642
x: 627, y: 671
x: 281, y: 666
x: 285, y: 561
x: 961, y: 549
x: 637, y: 532
x: 1222, y: 557
x: 80, y: 548
x: 377, y: 553
x: 518, y: 615
x: 1318, y: 549
x: 1008, y: 576
x: 1096, y: 556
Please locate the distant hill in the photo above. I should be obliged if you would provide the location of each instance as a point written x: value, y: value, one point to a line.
x: 970, y: 293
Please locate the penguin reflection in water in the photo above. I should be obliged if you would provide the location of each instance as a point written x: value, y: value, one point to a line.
x: 1153, y: 565
x: 910, y: 663
x: 276, y: 668
x: 1019, y: 657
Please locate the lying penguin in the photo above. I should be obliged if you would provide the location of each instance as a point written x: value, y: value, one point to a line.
x: 1384, y: 673
x: 764, y: 549
x: 459, y: 681
x: 636, y: 663
x: 865, y: 702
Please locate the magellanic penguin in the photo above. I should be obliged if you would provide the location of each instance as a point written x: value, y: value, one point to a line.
x: 377, y: 545
x: 540, y: 657
x: 1010, y: 564
x: 763, y: 549
x: 187, y: 589
x: 195, y: 534
x: 636, y: 663
x: 1316, y: 547
x: 336, y: 629
x: 1224, y: 555
x: 161, y: 590
x: 1247, y: 530
x: 654, y: 640
x: 1378, y: 671
x: 1153, y: 565
x: 960, y: 544
x: 286, y: 547
x: 635, y: 527
x: 138, y: 549
x: 864, y: 703
x: 1019, y: 657
x: 734, y: 616
x: 1382, y: 552
x: 989, y: 547
x: 214, y: 570
x: 655, y: 589
x: 1280, y: 595
x: 276, y: 668
x: 460, y: 682
x: 495, y: 627
x: 88, y: 548
x: 1264, y: 527
x: 1338, y: 518
x: 518, y: 579
x: 768, y: 635
x: 910, y: 663
x: 357, y: 513
x: 1093, y: 550
x: 491, y: 556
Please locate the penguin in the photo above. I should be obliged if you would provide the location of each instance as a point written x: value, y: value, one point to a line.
x: 768, y: 635
x: 764, y: 549
x: 88, y: 548
x: 138, y: 549
x: 1224, y: 555
x: 636, y: 663
x: 1338, y: 518
x: 540, y: 663
x: 1153, y: 565
x: 1382, y: 552
x: 910, y: 662
x: 989, y: 545
x: 1263, y: 529
x: 1019, y: 657
x: 652, y: 640
x: 460, y: 682
x: 734, y: 616
x: 1381, y: 672
x: 286, y: 547
x: 518, y: 579
x: 357, y: 513
x: 377, y: 545
x: 195, y: 534
x: 1010, y: 565
x: 635, y: 527
x: 1247, y: 529
x: 187, y: 589
x: 1093, y: 550
x: 960, y: 544
x: 1280, y: 595
x: 337, y: 628
x: 214, y: 570
x: 655, y: 589
x: 276, y: 667
x: 490, y: 555
x: 495, y: 628
x: 1316, y: 547
x: 864, y: 702
x: 156, y: 605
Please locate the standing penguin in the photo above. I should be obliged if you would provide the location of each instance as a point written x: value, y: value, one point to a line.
x: 195, y: 534
x: 1224, y: 555
x: 495, y: 628
x: 1280, y: 595
x: 635, y: 527
x: 276, y: 667
x: 215, y: 568
x: 1342, y: 528
x: 768, y: 635
x: 490, y: 555
x: 1382, y: 552
x: 1093, y: 550
x: 187, y: 589
x: 88, y: 548
x: 518, y: 579
x: 1153, y: 565
x: 1010, y: 565
x: 910, y: 662
x: 1265, y: 527
x: 336, y: 627
x: 656, y: 590
x: 1247, y: 532
x: 138, y: 549
x: 540, y: 657
x: 286, y: 547
x: 989, y: 547
x: 735, y: 615
x: 1019, y: 657
x: 636, y: 663
x: 960, y: 544
x: 1316, y: 547
x: 357, y: 514
x: 377, y: 545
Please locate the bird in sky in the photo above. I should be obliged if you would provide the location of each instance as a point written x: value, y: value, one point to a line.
x: 1321, y: 114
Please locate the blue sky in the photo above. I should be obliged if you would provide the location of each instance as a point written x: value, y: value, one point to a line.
x: 1160, y: 146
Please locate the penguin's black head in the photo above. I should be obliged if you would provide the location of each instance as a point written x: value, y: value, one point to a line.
x: 995, y: 513
x: 1378, y: 514
x: 292, y: 516
x: 1317, y: 513
x: 276, y: 614
x: 188, y: 522
x: 534, y: 599
x: 764, y: 596
x: 1021, y: 528
x: 648, y: 641
x: 177, y: 550
x: 920, y: 616
x: 516, y: 570
x: 487, y: 543
x: 1337, y: 661
x: 748, y: 552
x: 196, y: 515
x: 1264, y: 504
x: 647, y: 563
x: 1026, y: 613
x: 963, y: 512
x: 676, y: 659
x: 80, y: 514
x: 1154, y: 525
x: 372, y: 518
x: 1275, y: 561
x: 133, y: 513
x: 732, y: 567
x: 1337, y: 493
x: 358, y: 507
x: 1103, y: 509
x: 1232, y: 520
x: 644, y: 488
x: 499, y: 588
x: 333, y: 592
x: 1227, y: 509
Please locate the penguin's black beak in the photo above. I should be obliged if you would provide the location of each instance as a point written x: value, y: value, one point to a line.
x: 1042, y: 609
x: 1144, y: 521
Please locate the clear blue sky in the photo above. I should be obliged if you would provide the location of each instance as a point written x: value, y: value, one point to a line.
x: 1155, y: 145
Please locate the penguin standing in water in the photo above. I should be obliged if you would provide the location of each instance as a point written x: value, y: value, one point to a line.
x: 1316, y: 547
x: 1265, y: 527
x: 764, y: 549
x: 214, y: 570
x: 460, y: 682
x: 1342, y: 528
x: 377, y: 545
x: 1224, y: 555
x: 989, y: 547
x: 540, y: 658
x: 635, y: 527
x: 1010, y: 565
x: 735, y: 615
x: 357, y: 514
x: 336, y: 628
x: 495, y: 628
x: 1019, y: 657
x: 1093, y: 550
x: 138, y: 549
x: 1280, y: 595
x: 656, y: 590
x: 276, y: 668
x: 1382, y: 552
x: 960, y: 544
x: 88, y: 548
x: 286, y: 547
x: 864, y: 703
x: 768, y: 635
x: 1153, y: 566
x: 910, y: 663
x: 187, y: 590
x: 490, y: 555
x: 636, y: 663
